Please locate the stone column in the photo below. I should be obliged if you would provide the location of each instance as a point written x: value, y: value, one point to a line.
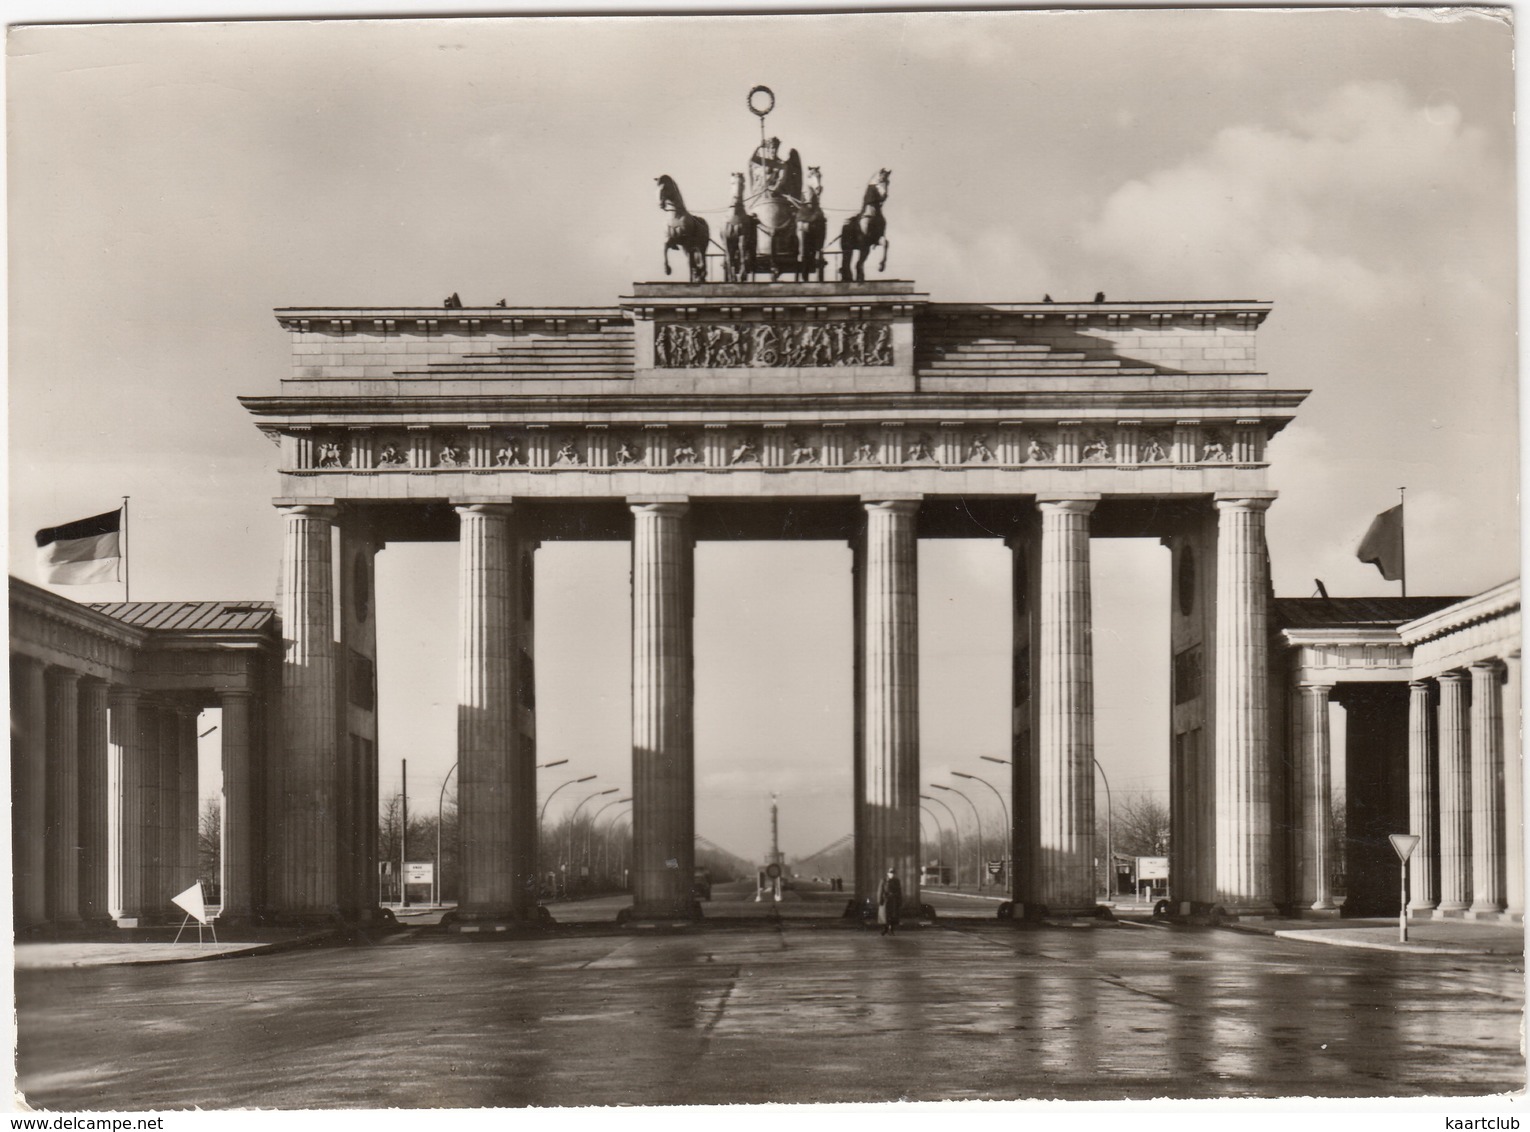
x: 1455, y: 795
x: 125, y: 816
x: 29, y: 790
x: 663, y: 786
x: 1319, y: 801
x: 190, y: 860
x: 152, y: 899
x: 307, y: 885
x: 1513, y: 791
x: 95, y: 803
x: 1064, y: 691
x: 1421, y: 893
x: 493, y: 882
x: 1243, y: 817
x: 62, y: 847
x: 1487, y: 788
x: 887, y: 825
x: 237, y: 824
x: 169, y: 810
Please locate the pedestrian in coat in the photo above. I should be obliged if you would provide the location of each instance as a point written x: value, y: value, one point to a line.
x: 889, y: 902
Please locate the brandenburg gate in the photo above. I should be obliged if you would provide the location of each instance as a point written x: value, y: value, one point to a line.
x: 751, y: 409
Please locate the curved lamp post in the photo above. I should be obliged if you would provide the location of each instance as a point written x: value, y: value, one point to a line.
x: 542, y: 817
x: 575, y: 814
x: 979, y: 819
x: 1009, y: 845
x: 589, y: 837
x: 956, y: 834
x: 940, y: 835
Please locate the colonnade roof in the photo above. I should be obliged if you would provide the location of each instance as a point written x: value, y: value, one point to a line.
x: 1354, y: 612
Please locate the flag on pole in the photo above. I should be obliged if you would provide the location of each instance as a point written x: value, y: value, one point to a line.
x: 81, y: 552
x: 1382, y: 545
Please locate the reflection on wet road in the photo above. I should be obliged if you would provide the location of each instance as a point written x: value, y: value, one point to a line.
x: 798, y: 1012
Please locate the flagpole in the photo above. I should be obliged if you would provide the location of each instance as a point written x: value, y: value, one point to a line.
x: 1402, y: 534
x: 122, y: 561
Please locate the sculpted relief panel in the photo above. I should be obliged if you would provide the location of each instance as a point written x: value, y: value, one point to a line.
x: 723, y: 446
x: 737, y: 345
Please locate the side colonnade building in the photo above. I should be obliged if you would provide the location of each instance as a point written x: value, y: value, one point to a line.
x: 104, y: 791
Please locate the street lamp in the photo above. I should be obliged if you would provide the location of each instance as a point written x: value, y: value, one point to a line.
x: 956, y: 834
x: 940, y: 837
x: 605, y: 856
x: 1110, y: 836
x: 1009, y: 848
x: 575, y: 814
x: 979, y: 818
x: 589, y: 836
x: 542, y: 817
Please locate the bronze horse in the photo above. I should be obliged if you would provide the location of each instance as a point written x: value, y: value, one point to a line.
x: 811, y: 228
x: 738, y: 237
x: 866, y: 230
x: 687, y: 232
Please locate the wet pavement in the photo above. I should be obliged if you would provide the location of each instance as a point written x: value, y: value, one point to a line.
x: 806, y: 1010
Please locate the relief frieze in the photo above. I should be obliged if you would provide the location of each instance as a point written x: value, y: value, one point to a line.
x: 740, y: 345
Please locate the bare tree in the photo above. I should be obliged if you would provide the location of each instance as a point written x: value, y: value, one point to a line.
x: 210, y: 842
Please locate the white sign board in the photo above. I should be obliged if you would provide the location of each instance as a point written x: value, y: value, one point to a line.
x: 190, y: 902
x: 419, y: 872
x: 1152, y: 868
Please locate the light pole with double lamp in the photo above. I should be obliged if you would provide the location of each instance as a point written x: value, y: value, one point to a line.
x: 979, y: 819
x: 1009, y: 845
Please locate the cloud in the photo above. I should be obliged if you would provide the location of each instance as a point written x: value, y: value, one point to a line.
x: 1349, y: 203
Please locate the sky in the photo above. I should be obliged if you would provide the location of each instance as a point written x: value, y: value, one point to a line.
x: 170, y: 184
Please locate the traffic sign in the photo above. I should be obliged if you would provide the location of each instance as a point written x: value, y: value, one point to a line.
x: 1403, y: 844
x: 772, y: 870
x: 995, y: 868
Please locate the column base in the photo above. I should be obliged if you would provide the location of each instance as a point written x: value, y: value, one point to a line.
x: 1488, y: 912
x: 1422, y: 909
x: 1450, y: 911
x: 1329, y: 913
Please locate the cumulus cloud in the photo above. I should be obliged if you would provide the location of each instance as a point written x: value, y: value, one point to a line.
x: 1316, y: 207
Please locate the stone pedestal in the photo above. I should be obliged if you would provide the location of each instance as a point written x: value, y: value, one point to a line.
x: 237, y: 849
x: 63, y: 832
x: 1487, y: 789
x: 488, y: 743
x: 1421, y: 887
x: 887, y: 654
x: 1455, y: 796
x: 663, y: 777
x: 1241, y: 679
x: 95, y: 803
x: 1319, y: 802
x: 125, y: 818
x: 306, y: 884
x: 1064, y: 691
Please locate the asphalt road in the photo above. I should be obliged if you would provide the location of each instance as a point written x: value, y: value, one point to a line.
x: 799, y: 1011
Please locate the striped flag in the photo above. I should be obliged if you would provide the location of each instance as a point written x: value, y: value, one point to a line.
x: 81, y: 552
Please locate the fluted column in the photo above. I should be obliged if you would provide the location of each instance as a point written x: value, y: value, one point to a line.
x: 1487, y: 788
x: 237, y: 823
x: 1242, y: 707
x: 62, y: 847
x: 189, y: 861
x: 493, y: 881
x: 887, y: 825
x: 29, y: 789
x: 169, y: 810
x: 1421, y: 892
x: 1513, y: 791
x: 1455, y: 795
x: 150, y: 725
x: 307, y: 884
x: 125, y: 818
x: 1064, y: 691
x: 663, y: 786
x: 1319, y: 802
x: 95, y: 803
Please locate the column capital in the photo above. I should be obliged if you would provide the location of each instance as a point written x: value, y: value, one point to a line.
x: 307, y: 508
x: 1076, y: 503
x: 1244, y: 500
x: 1421, y: 685
x: 1454, y: 676
x: 62, y: 672
x: 121, y: 694
x: 896, y: 504
x: 499, y: 507
x: 1491, y: 665
x: 226, y: 694
x: 1325, y: 690
x: 659, y: 504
